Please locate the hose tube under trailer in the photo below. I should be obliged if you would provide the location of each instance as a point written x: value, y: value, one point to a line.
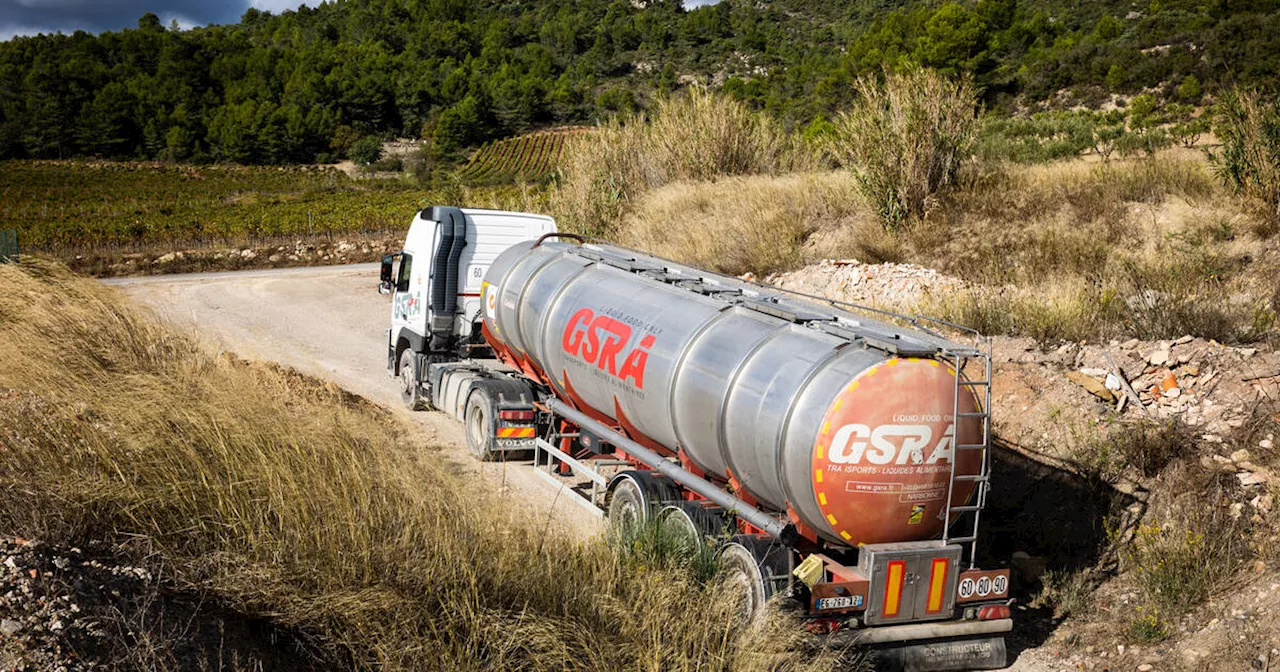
x: 784, y: 532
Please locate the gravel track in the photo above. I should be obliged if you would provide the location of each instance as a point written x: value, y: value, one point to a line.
x: 330, y: 322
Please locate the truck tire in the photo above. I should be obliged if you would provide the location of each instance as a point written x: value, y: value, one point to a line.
x: 627, y: 505
x: 410, y: 391
x: 678, y: 524
x: 480, y: 423
x: 751, y: 565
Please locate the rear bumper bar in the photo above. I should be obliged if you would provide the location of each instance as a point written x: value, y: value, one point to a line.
x: 917, y: 631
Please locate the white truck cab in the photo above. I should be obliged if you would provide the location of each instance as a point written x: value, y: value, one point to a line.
x: 436, y: 280
x: 434, y: 344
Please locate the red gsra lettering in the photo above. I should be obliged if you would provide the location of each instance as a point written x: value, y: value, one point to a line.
x: 600, y: 339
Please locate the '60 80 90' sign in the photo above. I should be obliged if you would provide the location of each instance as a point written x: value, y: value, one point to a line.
x: 601, y: 340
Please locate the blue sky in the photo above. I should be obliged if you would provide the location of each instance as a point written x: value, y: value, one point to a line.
x: 28, y: 17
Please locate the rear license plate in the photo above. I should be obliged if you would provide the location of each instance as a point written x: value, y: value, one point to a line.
x: 845, y: 602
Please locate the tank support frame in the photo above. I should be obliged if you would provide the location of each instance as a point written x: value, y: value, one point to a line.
x: 783, y: 531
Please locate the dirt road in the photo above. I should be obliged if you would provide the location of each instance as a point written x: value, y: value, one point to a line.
x: 330, y: 322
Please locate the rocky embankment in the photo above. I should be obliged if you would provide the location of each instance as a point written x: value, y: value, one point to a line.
x: 60, y: 610
x: 66, y: 610
x: 897, y: 287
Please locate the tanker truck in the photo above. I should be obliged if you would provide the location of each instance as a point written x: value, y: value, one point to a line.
x: 836, y: 456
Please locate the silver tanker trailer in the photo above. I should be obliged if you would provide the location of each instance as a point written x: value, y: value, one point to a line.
x: 838, y: 461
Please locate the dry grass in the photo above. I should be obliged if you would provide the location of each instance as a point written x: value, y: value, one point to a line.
x: 1185, y: 556
x: 1152, y: 249
x: 290, y: 499
x: 754, y: 224
x: 1074, y: 250
x: 700, y: 136
x: 1067, y: 592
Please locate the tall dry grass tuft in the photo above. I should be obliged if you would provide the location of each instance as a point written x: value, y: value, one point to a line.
x: 1248, y: 125
x: 698, y: 136
x: 905, y: 137
x: 290, y: 499
x: 754, y: 224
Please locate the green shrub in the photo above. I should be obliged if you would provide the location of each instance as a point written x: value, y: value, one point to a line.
x: 1179, y: 564
x: 1248, y: 125
x: 1148, y: 626
x: 1042, y: 137
x: 366, y: 150
x: 1184, y: 128
x: 1189, y: 90
x: 905, y: 137
x: 652, y: 545
x: 1146, y: 133
x: 1108, y: 132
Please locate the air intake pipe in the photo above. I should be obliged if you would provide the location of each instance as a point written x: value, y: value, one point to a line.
x: 452, y: 225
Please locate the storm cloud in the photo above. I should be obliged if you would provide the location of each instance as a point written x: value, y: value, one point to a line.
x: 28, y: 17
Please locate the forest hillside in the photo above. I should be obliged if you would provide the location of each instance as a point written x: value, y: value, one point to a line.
x: 306, y: 86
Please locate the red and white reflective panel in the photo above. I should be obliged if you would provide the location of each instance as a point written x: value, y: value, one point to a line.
x: 993, y: 612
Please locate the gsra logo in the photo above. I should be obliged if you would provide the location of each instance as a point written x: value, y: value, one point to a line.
x: 854, y: 443
x: 600, y: 340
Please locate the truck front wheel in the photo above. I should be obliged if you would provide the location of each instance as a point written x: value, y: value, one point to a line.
x: 410, y: 391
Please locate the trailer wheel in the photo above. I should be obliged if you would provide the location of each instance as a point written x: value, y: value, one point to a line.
x: 627, y: 505
x: 752, y: 566
x: 742, y: 574
x: 410, y: 391
x: 480, y: 425
x: 677, y: 522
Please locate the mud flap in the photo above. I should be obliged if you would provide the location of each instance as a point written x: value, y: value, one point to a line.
x: 937, y: 655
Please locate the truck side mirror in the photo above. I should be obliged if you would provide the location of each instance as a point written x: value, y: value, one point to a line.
x: 384, y: 277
